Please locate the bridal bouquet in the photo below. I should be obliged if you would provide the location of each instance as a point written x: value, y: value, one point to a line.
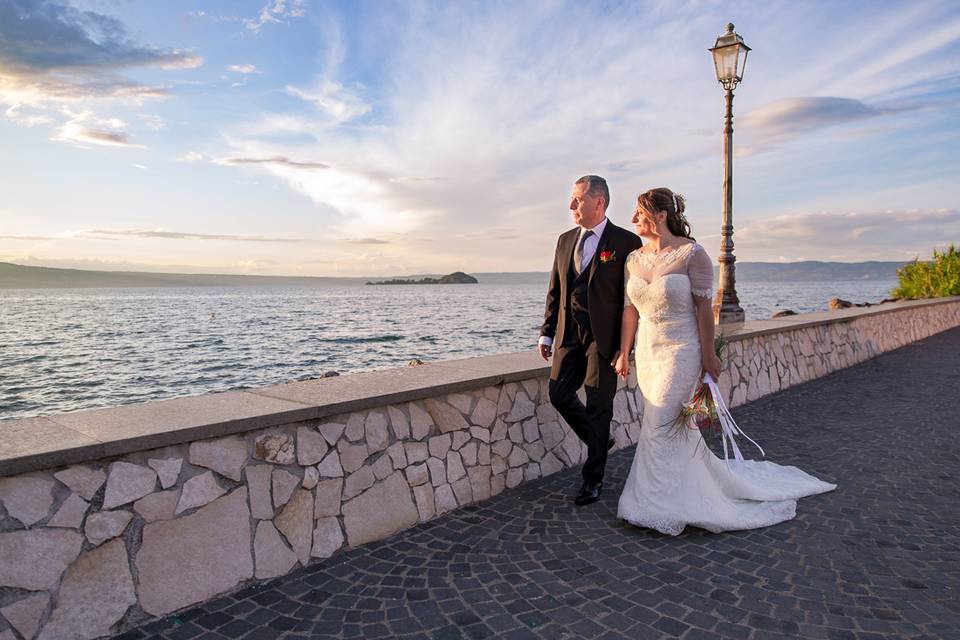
x: 708, y: 413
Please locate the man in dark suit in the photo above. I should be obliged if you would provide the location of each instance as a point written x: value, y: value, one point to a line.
x: 581, y: 326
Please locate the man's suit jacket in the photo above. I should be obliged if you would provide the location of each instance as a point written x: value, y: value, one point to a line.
x: 604, y: 288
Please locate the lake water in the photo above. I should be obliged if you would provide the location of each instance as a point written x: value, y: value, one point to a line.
x: 68, y: 349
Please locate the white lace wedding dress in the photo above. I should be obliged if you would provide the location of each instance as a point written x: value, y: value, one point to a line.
x: 677, y: 481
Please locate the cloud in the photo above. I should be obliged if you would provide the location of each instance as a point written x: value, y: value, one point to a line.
x: 877, y: 233
x: 242, y: 68
x: 331, y: 98
x: 783, y: 120
x: 274, y: 11
x: 153, y: 121
x: 53, y: 54
x: 107, y: 132
x: 278, y: 161
x: 368, y: 241
x: 141, y: 166
x: 23, y: 237
x: 191, y: 156
x: 179, y: 235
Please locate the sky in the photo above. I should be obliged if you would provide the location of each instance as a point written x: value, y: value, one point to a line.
x: 305, y: 137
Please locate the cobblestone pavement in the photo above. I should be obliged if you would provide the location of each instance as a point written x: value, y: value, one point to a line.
x: 878, y: 558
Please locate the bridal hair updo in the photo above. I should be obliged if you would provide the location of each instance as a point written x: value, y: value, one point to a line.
x: 673, y: 204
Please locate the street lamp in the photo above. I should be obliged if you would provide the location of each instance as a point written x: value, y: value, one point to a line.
x: 729, y: 58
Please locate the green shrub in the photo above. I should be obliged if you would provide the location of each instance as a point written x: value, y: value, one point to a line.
x: 935, y: 279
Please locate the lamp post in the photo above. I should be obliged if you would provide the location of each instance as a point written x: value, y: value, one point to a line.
x: 729, y: 59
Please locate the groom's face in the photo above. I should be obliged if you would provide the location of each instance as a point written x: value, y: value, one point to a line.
x: 587, y: 210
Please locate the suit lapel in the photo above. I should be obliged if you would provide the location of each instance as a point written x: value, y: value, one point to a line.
x: 601, y: 246
x: 567, y: 253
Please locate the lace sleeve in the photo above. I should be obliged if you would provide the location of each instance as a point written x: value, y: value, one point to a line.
x: 626, y: 279
x: 700, y: 272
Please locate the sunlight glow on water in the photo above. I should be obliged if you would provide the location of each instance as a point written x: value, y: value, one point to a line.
x: 69, y: 349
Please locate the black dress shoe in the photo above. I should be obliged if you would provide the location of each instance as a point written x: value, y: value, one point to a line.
x: 589, y: 493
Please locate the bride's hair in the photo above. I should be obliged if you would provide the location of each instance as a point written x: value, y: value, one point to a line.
x: 673, y: 204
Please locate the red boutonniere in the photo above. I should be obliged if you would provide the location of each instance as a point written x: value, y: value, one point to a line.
x: 607, y: 256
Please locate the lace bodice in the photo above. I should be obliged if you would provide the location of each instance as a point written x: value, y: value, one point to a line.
x: 688, y: 259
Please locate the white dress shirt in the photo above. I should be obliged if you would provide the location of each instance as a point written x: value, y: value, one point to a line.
x: 589, y: 248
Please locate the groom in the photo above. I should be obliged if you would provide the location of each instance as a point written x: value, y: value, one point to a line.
x: 581, y: 326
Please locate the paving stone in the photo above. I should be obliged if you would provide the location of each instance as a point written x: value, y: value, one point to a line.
x: 82, y: 480
x: 36, y: 559
x: 226, y: 456
x: 446, y: 417
x: 355, y: 431
x: 327, y: 497
x: 331, y: 467
x: 484, y: 414
x: 95, y: 593
x: 128, y: 482
x: 284, y: 484
x: 416, y: 452
x: 277, y: 448
x: 311, y: 446
x: 258, y: 484
x: 358, y: 482
x: 27, y: 498
x: 331, y: 431
x: 327, y: 538
x: 399, y: 422
x: 295, y: 522
x: 71, y: 513
x: 420, y: 421
x: 24, y: 614
x: 271, y: 554
x: 310, y: 478
x: 352, y: 457
x: 174, y: 561
x: 198, y: 491
x: 168, y: 470
x: 161, y: 505
x: 398, y: 455
x: 380, y: 511
x: 104, y: 525
x: 376, y: 430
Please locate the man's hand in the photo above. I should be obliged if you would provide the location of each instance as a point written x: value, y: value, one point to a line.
x: 546, y: 351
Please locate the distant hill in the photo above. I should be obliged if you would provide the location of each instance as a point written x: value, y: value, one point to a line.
x: 14, y: 276
x: 816, y: 271
x: 458, y: 277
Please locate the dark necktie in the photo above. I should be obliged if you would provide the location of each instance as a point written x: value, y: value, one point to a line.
x: 578, y: 252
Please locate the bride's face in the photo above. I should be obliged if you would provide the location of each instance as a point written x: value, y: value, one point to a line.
x: 645, y: 223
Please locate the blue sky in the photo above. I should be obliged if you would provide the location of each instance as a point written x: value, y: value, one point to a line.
x: 375, y: 138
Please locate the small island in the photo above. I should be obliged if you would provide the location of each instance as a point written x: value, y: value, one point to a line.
x: 458, y: 277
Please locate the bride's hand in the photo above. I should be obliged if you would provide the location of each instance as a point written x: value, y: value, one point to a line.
x: 712, y: 365
x: 621, y: 364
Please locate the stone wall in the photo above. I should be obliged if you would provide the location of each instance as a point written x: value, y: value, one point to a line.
x: 760, y: 362
x: 103, y: 546
x: 96, y: 547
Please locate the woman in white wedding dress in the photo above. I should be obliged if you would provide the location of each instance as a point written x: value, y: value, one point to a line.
x: 675, y: 479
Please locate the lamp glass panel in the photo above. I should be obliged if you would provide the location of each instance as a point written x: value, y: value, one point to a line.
x: 725, y: 60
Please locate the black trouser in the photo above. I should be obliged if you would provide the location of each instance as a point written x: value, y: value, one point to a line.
x: 577, y: 363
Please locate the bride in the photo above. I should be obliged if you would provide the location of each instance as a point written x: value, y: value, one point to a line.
x: 675, y: 479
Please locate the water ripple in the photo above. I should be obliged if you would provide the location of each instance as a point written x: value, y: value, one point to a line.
x: 69, y: 349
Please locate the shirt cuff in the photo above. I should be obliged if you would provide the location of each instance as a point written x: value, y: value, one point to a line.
x: 546, y: 341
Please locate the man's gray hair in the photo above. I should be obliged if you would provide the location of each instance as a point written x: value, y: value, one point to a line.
x: 596, y: 187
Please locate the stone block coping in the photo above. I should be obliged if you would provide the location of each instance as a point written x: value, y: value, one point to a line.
x: 39, y: 443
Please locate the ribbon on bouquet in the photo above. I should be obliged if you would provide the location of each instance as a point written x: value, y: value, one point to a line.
x: 728, y: 426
